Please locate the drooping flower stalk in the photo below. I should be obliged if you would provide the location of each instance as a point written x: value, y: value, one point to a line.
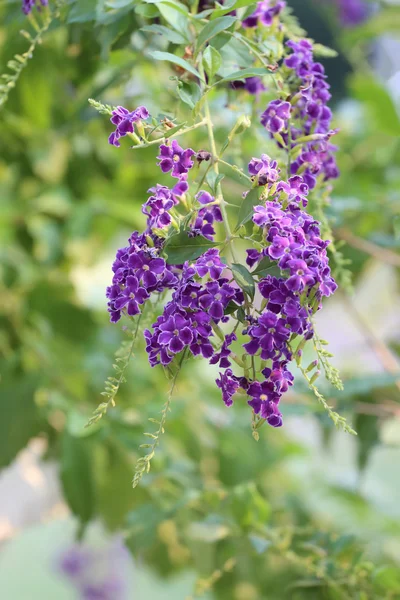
x: 250, y: 317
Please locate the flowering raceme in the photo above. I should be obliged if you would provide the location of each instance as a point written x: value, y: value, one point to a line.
x: 248, y: 318
x: 205, y: 293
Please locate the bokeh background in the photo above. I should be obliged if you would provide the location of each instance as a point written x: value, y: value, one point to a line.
x: 307, y: 512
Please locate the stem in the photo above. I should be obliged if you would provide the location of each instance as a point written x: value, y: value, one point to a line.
x: 163, y: 139
x: 213, y: 148
x: 143, y: 464
x: 233, y: 168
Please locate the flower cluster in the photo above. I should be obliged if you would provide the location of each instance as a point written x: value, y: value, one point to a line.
x: 247, y: 322
x: 292, y: 238
x: 28, y: 5
x: 97, y: 574
x: 205, y: 293
x: 304, y: 124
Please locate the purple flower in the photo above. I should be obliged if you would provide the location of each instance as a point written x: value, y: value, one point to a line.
x: 124, y: 120
x: 264, y: 13
x: 216, y: 297
x: 175, y: 334
x: 275, y: 117
x: 252, y: 85
x: 222, y: 357
x: 229, y: 384
x: 158, y: 205
x: 75, y: 561
x: 27, y: 5
x: 265, y: 402
x: 312, y: 115
x: 268, y: 334
x: 206, y: 216
x: 352, y: 12
x: 130, y: 297
x: 173, y: 157
x: 265, y: 169
x: 210, y: 263
x: 293, y: 240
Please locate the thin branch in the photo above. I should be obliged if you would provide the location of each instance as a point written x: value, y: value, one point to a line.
x: 383, y: 254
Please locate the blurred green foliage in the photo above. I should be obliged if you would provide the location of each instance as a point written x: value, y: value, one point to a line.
x: 68, y: 200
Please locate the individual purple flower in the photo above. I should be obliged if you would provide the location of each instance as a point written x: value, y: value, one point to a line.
x: 173, y: 157
x: 75, y: 561
x: 181, y: 187
x: 175, y: 334
x: 210, y: 263
x: 147, y: 269
x: 158, y: 206
x: 352, y: 12
x: 252, y: 85
x: 228, y: 384
x: 206, y: 216
x: 124, y: 120
x: 264, y: 402
x: 265, y: 13
x: 130, y: 297
x: 275, y: 117
x: 269, y: 334
x: 216, y: 297
x: 27, y: 5
x: 265, y: 169
x: 222, y: 357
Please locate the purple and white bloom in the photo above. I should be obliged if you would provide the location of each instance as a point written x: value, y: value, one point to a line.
x: 265, y: 169
x: 130, y: 297
x: 210, y: 263
x: 158, y: 206
x: 175, y: 334
x: 275, y: 117
x: 228, y: 384
x: 124, y: 120
x: 174, y: 158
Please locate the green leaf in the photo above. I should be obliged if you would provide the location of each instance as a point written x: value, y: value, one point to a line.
x: 388, y: 577
x: 177, y: 60
x: 174, y: 130
x: 213, y: 28
x: 244, y: 279
x: 368, y: 436
x: 246, y: 73
x: 178, y: 6
x: 83, y: 11
x: 113, y: 478
x: 378, y: 103
x: 212, y: 61
x: 189, y: 93
x: 229, y: 6
x: 175, y: 18
x: 213, y: 179
x: 267, y: 267
x: 19, y: 421
x: 77, y: 475
x: 181, y: 247
x: 172, y: 36
x: 247, y: 207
